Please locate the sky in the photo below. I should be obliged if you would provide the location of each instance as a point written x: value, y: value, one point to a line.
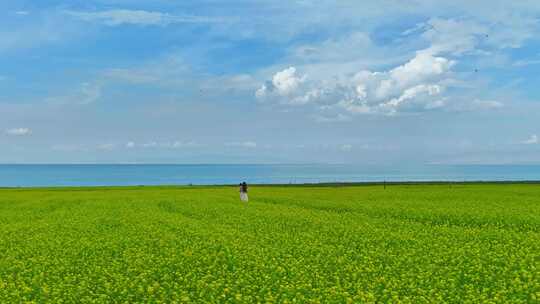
x: 363, y: 82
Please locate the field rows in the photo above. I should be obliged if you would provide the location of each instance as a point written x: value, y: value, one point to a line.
x: 405, y: 244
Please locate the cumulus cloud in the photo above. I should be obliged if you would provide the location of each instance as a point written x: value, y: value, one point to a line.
x: 424, y: 67
x: 426, y: 81
x: 139, y: 17
x: 287, y: 81
x: 413, y: 86
x: 533, y: 140
x: 283, y: 83
x: 19, y: 132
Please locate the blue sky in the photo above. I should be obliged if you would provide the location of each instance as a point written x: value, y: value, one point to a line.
x: 132, y: 81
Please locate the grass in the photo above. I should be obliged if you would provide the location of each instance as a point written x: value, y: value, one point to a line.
x: 356, y: 244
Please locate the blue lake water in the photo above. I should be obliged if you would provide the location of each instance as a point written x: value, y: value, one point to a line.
x: 126, y: 175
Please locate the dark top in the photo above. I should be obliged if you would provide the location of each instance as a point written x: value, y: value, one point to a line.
x: 244, y: 187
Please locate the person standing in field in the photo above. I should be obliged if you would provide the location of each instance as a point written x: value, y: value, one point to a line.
x: 244, y: 192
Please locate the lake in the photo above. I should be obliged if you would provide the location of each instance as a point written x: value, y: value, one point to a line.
x: 130, y: 175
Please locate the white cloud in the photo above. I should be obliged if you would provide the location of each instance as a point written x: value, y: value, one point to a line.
x: 283, y: 83
x: 335, y: 118
x: 151, y: 144
x: 184, y: 144
x: 245, y: 144
x: 465, y: 104
x: 457, y: 37
x: 339, y: 49
x: 533, y: 140
x: 36, y: 32
x: 90, y: 92
x: 106, y: 147
x: 486, y: 104
x: 287, y: 81
x: 86, y: 93
x: 19, y: 132
x: 478, y: 36
x: 22, y: 13
x: 290, y: 18
x: 420, y: 94
x: 346, y: 148
x: 69, y: 148
x: 163, y: 144
x: 427, y: 81
x: 132, y: 76
x: 140, y: 17
x: 424, y: 67
x: 527, y: 62
x: 416, y: 85
x: 172, y: 71
x: 512, y: 30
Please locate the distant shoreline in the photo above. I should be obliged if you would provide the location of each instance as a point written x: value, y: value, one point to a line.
x: 314, y: 185
x: 406, y: 183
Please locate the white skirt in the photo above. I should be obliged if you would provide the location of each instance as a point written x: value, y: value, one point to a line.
x: 244, y: 196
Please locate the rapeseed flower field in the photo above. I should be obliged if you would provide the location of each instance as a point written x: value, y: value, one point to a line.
x: 351, y: 244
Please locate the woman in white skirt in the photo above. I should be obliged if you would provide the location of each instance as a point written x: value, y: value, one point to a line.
x: 244, y: 192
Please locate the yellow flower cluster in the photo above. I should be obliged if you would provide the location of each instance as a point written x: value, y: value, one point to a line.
x: 363, y: 244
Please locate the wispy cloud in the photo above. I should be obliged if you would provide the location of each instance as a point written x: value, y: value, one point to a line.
x: 19, y: 132
x: 331, y: 118
x: 346, y: 148
x: 429, y: 80
x: 533, y: 140
x: 163, y: 144
x: 138, y: 17
x: 106, y: 147
x: 69, y: 148
x: 41, y: 31
x: 87, y: 93
x: 527, y: 62
x: 244, y: 144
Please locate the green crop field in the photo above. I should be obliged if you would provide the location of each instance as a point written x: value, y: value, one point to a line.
x: 358, y: 244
